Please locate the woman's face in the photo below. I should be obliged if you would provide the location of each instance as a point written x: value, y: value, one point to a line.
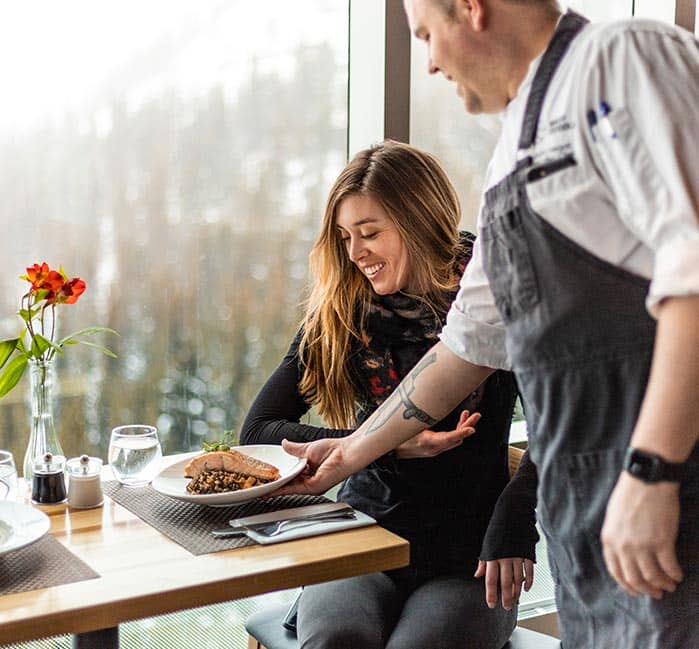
x: 373, y: 244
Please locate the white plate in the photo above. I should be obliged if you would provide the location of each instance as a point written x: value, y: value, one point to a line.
x: 20, y: 525
x: 171, y: 481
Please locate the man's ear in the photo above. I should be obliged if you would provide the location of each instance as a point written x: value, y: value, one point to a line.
x: 473, y: 11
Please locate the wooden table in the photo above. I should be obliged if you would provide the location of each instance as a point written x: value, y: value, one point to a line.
x: 143, y: 573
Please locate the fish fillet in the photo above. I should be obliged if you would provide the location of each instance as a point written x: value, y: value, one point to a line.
x: 231, y: 461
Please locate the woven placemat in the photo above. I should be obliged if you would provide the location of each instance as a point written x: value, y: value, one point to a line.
x: 190, y: 524
x: 42, y: 564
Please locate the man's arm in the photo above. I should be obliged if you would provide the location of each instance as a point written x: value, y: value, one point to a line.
x: 641, y: 524
x: 430, y: 391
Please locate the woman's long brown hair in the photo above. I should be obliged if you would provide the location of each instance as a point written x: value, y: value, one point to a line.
x: 417, y: 196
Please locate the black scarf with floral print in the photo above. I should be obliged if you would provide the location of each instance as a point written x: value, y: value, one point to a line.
x: 400, y: 330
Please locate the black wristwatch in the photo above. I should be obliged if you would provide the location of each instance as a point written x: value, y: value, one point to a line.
x: 651, y: 468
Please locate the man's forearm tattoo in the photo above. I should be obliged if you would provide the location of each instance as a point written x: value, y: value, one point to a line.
x: 412, y: 411
x: 401, y: 397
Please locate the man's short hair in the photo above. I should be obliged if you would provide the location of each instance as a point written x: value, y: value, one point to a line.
x: 447, y: 6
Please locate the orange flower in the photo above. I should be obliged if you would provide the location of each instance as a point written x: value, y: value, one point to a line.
x: 43, y: 278
x: 49, y: 289
x: 71, y: 291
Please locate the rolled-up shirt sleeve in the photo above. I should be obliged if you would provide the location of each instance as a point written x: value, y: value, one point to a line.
x: 651, y: 166
x: 676, y: 271
x: 474, y: 330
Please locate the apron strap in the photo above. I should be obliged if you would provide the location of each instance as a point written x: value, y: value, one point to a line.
x: 568, y: 28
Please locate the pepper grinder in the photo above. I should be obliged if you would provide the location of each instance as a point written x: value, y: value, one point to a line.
x: 48, y: 480
x: 84, y: 485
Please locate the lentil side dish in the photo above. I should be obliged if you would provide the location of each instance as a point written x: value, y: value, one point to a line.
x: 216, y: 482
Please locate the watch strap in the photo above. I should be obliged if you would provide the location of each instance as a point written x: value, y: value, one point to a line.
x: 651, y: 468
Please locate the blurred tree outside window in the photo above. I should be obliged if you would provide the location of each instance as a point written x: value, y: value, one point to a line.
x: 175, y: 155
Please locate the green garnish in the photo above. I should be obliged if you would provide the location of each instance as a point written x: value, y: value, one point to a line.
x: 228, y: 438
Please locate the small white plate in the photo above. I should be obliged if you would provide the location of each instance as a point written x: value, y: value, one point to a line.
x: 20, y: 525
x: 171, y: 481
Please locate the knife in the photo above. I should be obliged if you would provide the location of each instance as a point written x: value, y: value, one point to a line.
x: 307, y: 512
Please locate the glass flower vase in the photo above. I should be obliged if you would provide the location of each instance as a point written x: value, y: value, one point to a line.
x: 42, y: 438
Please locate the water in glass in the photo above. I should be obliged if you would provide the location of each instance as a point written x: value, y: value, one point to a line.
x: 134, y: 454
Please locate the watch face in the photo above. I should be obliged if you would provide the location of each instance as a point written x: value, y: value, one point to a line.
x: 643, y: 466
x: 652, y: 468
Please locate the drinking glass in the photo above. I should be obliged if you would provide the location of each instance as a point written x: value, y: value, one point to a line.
x: 8, y: 476
x: 134, y: 454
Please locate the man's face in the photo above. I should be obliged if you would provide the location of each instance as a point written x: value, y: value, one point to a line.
x: 457, y: 51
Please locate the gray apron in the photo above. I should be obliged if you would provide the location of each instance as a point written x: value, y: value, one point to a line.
x: 580, y: 342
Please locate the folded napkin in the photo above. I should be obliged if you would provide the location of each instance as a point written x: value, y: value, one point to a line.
x: 300, y: 531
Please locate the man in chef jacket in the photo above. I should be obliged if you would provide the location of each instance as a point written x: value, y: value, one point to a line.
x: 585, y: 282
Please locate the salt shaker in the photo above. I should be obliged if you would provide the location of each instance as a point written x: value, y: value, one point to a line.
x: 84, y: 485
x: 48, y: 480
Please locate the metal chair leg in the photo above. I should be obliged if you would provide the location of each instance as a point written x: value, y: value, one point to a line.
x: 102, y: 639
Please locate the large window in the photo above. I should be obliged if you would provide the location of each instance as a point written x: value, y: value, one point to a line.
x: 176, y: 155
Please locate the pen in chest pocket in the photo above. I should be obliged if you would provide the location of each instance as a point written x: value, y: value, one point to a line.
x: 605, y: 124
x: 601, y: 125
x: 592, y: 124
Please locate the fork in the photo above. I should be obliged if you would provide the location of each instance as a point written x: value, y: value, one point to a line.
x: 281, y: 526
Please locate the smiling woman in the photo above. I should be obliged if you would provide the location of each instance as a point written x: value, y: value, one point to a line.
x: 390, y: 206
x: 386, y: 266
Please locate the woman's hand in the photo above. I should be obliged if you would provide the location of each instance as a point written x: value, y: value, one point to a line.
x: 429, y: 443
x: 509, y: 574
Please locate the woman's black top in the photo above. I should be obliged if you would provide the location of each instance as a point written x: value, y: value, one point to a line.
x: 442, y: 505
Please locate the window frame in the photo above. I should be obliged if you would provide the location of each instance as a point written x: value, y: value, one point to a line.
x: 378, y: 94
x: 685, y: 14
